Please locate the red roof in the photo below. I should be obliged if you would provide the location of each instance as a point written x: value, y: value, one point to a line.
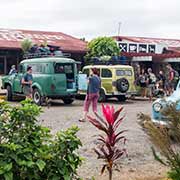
x: 167, y: 42
x: 11, y: 38
x: 172, y: 44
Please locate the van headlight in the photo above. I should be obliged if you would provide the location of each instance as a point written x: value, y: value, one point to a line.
x: 157, y: 107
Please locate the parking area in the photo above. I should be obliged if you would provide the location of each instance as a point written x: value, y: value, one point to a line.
x: 140, y: 163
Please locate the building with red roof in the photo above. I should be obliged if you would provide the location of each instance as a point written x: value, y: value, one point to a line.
x: 150, y: 52
x: 10, y: 45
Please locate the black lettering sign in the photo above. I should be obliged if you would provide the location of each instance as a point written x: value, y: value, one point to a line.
x: 151, y: 48
x: 123, y: 47
x: 133, y: 48
x: 142, y: 48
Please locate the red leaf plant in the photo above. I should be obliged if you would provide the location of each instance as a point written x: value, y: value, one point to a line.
x: 109, y: 149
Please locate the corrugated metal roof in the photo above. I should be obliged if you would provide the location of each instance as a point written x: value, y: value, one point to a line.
x: 172, y: 44
x: 164, y: 41
x: 11, y: 38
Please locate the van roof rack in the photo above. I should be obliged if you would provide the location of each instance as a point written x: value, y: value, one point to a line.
x: 44, y: 54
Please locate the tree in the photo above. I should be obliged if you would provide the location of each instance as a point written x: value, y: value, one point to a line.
x: 26, y: 45
x: 102, y: 46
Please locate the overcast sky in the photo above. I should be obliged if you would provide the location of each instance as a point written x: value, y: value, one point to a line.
x: 92, y: 18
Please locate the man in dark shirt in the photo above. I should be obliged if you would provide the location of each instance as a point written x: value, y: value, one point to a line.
x: 27, y: 82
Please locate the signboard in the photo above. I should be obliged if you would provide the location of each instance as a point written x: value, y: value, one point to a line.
x: 143, y: 48
x: 137, y: 47
x: 18, y: 35
x: 152, y: 48
x: 123, y: 47
x: 133, y: 48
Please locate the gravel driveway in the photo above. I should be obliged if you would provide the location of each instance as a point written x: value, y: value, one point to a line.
x: 140, y: 163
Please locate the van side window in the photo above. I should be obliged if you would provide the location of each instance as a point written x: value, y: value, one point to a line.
x: 127, y: 72
x: 106, y: 73
x: 86, y: 71
x: 20, y: 68
x: 37, y: 68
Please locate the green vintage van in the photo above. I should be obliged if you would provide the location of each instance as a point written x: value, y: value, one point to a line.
x: 53, y: 77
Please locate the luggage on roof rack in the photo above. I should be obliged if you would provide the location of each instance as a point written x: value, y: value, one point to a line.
x: 116, y: 60
x: 44, y: 51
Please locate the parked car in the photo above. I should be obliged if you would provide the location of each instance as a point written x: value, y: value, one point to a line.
x: 53, y: 77
x: 161, y: 103
x: 117, y: 81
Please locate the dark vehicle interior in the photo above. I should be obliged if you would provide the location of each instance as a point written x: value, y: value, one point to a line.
x: 68, y: 70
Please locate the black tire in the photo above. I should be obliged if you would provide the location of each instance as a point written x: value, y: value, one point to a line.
x: 102, y: 96
x: 68, y: 101
x: 37, y: 98
x: 121, y: 98
x: 122, y: 85
x: 9, y: 94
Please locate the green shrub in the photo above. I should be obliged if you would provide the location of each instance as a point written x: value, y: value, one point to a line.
x: 29, y: 151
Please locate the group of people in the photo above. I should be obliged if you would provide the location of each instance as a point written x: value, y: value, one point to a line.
x: 163, y: 82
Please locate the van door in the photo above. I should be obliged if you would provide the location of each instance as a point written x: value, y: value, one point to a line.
x: 106, y: 80
x: 17, y: 87
x: 59, y: 79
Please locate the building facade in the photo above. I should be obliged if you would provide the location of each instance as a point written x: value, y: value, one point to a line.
x: 10, y: 45
x: 150, y: 52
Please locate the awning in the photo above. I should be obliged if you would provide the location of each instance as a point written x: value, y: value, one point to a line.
x: 172, y: 59
x: 142, y: 58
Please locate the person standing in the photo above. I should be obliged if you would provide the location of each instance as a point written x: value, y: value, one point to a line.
x: 27, y: 83
x: 94, y: 85
x: 143, y: 83
x: 151, y: 83
x: 13, y: 70
x: 173, y: 78
x: 161, y: 79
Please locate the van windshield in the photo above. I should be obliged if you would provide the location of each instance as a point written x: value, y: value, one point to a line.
x: 63, y: 68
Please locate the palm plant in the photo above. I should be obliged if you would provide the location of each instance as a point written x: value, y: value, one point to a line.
x: 26, y: 45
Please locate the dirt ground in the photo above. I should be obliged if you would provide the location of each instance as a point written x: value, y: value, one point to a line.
x: 139, y: 165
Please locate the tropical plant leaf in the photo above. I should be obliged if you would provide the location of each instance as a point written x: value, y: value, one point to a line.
x: 157, y: 157
x: 120, y: 138
x: 116, y: 114
x: 103, y: 169
x: 119, y: 133
x: 98, y: 124
x: 118, y: 122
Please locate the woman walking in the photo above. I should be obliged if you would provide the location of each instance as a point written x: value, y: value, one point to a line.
x: 94, y: 84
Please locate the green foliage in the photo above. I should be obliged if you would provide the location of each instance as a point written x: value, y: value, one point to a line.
x: 102, y: 46
x: 166, y: 139
x: 26, y: 44
x: 29, y: 151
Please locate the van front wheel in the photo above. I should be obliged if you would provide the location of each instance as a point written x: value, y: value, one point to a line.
x: 68, y: 101
x: 37, y: 97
